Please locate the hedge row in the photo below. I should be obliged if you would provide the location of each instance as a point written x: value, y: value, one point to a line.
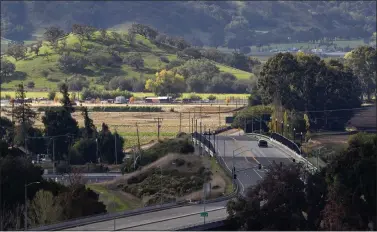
x: 45, y: 108
x: 126, y: 109
x: 110, y: 108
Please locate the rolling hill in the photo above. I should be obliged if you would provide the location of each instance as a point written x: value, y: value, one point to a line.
x: 43, y: 70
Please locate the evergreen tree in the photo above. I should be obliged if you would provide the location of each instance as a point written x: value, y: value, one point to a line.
x: 66, y: 101
x: 90, y: 130
x: 22, y: 113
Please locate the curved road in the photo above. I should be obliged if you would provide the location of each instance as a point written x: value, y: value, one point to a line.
x: 246, y: 164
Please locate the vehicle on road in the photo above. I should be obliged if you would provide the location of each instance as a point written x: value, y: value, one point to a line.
x: 262, y: 143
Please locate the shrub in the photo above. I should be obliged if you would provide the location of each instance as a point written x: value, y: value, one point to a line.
x: 211, y: 97
x: 195, y: 97
x: 179, y: 162
x: 164, y: 59
x: 103, y: 94
x: 51, y: 95
x: 45, y: 73
x: 30, y: 84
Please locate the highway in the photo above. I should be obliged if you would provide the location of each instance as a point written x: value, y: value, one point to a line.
x: 247, y: 157
x: 246, y: 163
x: 162, y: 220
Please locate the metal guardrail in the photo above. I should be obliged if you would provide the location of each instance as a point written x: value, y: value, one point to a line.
x: 167, y: 219
x: 113, y: 216
x: 201, y: 226
x: 287, y: 149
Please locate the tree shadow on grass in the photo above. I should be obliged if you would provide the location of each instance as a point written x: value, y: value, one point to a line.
x: 19, y: 76
x: 148, y: 70
x: 110, y: 71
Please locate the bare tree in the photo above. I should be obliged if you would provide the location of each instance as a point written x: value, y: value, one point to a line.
x: 75, y: 177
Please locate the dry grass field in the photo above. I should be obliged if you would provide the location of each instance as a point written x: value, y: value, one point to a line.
x: 212, y: 117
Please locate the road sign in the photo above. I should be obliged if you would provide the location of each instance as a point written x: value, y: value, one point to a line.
x: 204, y: 214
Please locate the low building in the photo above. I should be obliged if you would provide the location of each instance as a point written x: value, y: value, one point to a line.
x: 120, y: 100
x: 166, y: 99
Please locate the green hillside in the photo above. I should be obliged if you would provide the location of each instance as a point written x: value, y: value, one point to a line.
x: 43, y: 69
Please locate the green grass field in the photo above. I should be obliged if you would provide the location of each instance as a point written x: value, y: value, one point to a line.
x: 112, y: 199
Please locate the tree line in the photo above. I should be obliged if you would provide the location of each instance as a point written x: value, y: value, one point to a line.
x: 61, y: 138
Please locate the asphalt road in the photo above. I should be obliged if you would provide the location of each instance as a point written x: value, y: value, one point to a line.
x: 247, y: 156
x: 161, y: 220
x: 246, y: 163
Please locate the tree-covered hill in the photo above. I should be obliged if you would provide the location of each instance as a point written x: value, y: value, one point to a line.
x: 89, y: 57
x: 233, y: 23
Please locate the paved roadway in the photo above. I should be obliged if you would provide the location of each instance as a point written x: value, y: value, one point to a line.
x: 247, y: 157
x: 170, y: 219
x: 161, y: 220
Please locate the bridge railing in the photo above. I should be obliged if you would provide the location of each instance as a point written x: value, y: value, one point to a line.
x: 293, y: 151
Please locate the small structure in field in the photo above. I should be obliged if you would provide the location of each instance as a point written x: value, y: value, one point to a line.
x: 165, y: 99
x: 120, y: 100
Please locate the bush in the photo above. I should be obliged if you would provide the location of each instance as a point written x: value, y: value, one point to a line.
x: 211, y: 97
x: 103, y: 94
x: 195, y: 97
x: 179, y: 162
x: 164, y: 59
x: 30, y: 84
x: 45, y: 73
x: 51, y: 95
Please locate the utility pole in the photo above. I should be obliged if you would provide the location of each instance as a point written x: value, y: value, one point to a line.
x: 180, y: 122
x: 115, y: 146
x: 189, y: 119
x: 219, y: 117
x: 159, y: 120
x: 138, y: 137
x: 53, y: 155
x: 224, y: 147
x: 252, y: 124
x: 260, y: 125
x: 201, y: 136
x: 192, y: 125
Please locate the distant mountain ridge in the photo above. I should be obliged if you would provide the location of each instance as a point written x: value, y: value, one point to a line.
x: 211, y: 22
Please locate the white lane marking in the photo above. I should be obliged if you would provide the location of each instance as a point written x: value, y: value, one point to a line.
x: 262, y: 153
x: 242, y: 187
x: 257, y: 174
x: 252, y: 156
